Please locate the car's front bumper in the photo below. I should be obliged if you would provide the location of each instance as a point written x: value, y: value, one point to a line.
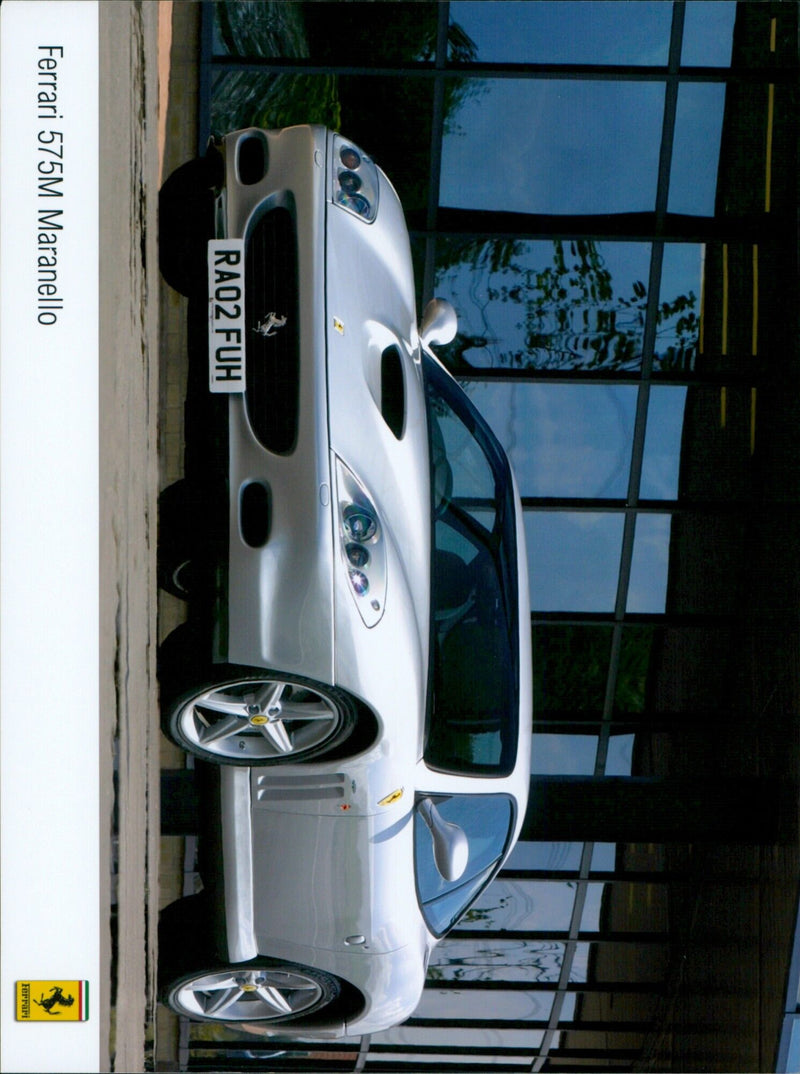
x: 278, y: 604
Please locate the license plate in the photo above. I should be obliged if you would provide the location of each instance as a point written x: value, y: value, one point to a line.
x: 226, y: 340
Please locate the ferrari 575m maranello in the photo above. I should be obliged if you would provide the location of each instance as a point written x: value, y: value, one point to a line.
x: 353, y: 680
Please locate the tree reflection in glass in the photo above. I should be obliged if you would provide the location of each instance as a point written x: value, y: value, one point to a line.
x: 562, y: 305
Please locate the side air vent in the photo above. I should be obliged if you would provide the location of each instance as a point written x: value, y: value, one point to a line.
x: 273, y: 340
x: 251, y: 159
x: 301, y: 788
x: 393, y: 393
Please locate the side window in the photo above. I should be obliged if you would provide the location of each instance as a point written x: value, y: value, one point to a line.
x: 487, y: 820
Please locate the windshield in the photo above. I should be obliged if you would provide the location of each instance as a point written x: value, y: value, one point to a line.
x: 487, y: 820
x: 473, y: 696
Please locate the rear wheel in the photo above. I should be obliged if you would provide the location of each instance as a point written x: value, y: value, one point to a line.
x: 197, y: 981
x: 256, y: 991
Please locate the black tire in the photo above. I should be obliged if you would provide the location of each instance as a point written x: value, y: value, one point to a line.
x: 189, y: 957
x: 178, y: 518
x: 302, y: 720
x: 186, y: 221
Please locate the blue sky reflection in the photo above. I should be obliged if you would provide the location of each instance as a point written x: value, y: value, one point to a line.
x: 567, y: 31
x: 578, y: 147
x: 563, y: 439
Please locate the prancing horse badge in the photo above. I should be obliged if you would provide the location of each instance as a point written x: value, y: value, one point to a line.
x: 270, y: 323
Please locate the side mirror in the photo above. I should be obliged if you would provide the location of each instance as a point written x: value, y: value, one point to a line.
x: 439, y: 323
x: 450, y: 845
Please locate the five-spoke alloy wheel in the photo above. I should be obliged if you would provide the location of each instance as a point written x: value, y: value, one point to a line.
x: 247, y: 993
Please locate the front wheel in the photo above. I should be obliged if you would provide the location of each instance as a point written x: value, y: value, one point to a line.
x: 260, y: 718
x: 260, y: 990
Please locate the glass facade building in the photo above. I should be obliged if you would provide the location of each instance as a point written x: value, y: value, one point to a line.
x: 607, y: 193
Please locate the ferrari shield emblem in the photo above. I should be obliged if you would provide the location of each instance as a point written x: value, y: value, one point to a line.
x: 52, y: 1001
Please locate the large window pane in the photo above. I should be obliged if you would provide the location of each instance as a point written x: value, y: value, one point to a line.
x: 634, y: 668
x: 561, y: 304
x: 521, y: 904
x: 647, y: 591
x: 662, y: 445
x: 503, y: 960
x: 554, y: 147
x: 563, y: 439
x: 570, y: 668
x: 550, y: 856
x: 619, y: 761
x: 373, y: 111
x: 575, y: 559
x: 678, y: 319
x: 329, y: 32
x: 604, y: 31
x: 499, y: 1006
x: 708, y: 33
x: 695, y: 156
x: 433, y: 1036
x: 563, y: 754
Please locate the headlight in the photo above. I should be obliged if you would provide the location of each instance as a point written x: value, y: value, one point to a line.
x: 355, y: 180
x: 362, y: 545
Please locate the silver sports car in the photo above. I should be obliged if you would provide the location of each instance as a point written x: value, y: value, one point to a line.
x: 354, y: 677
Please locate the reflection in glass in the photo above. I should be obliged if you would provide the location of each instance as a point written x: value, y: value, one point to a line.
x: 708, y: 33
x: 662, y: 445
x: 521, y: 904
x: 566, y: 32
x: 562, y: 439
x: 634, y: 668
x: 558, y: 649
x: 619, y: 760
x: 578, y: 147
x: 547, y: 856
x: 577, y: 559
x: 565, y: 304
x: 695, y: 155
x: 647, y: 591
x: 678, y: 328
x: 450, y: 1003
x: 435, y: 1036
x: 563, y: 754
x: 579, y: 970
x: 375, y: 120
x: 592, y: 907
x: 604, y: 857
x: 328, y: 33
x: 502, y: 960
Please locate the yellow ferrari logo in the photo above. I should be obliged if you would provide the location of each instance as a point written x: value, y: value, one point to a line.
x: 393, y: 797
x: 52, y: 1001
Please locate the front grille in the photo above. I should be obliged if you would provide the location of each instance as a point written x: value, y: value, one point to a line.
x: 272, y: 348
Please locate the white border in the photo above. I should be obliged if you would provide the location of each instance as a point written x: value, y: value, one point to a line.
x: 49, y: 564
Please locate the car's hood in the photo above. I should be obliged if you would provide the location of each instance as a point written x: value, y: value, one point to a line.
x: 370, y: 310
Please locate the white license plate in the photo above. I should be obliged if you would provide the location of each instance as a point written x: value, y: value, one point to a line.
x: 226, y: 340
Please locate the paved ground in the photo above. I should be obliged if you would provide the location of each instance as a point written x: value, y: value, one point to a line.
x: 129, y: 292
